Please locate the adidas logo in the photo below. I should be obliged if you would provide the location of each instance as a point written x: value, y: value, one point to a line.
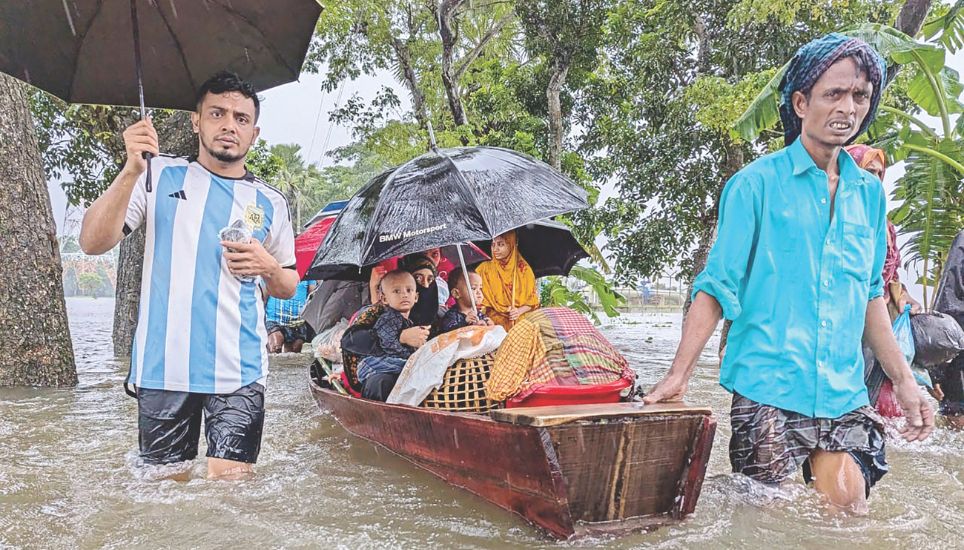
x: 178, y: 195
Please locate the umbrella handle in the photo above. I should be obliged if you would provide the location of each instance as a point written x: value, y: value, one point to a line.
x: 140, y: 82
x: 147, y: 183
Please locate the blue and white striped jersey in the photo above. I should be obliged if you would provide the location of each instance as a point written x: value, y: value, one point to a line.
x: 199, y: 328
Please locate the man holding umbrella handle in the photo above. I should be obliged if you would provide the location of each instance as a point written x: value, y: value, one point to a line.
x: 199, y: 348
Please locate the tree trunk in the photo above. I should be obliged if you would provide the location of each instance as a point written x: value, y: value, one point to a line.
x: 448, y: 31
x: 127, y: 292
x: 176, y: 137
x: 909, y: 21
x: 557, y: 77
x: 911, y: 16
x: 404, y: 57
x: 35, y: 346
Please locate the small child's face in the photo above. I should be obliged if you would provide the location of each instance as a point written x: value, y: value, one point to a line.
x: 424, y: 277
x: 462, y: 296
x: 500, y: 248
x: 399, y: 293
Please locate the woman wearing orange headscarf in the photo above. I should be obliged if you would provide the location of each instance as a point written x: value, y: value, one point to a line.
x: 508, y: 283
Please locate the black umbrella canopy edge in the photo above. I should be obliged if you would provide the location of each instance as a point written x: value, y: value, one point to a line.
x: 356, y: 271
x: 486, y: 246
x: 80, y: 26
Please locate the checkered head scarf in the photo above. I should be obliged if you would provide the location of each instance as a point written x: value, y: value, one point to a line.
x: 812, y: 60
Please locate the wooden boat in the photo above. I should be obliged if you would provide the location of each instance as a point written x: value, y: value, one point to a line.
x: 571, y: 470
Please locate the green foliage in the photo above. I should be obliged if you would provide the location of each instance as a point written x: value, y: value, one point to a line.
x: 261, y: 162
x: 68, y: 244
x: 555, y: 292
x: 949, y: 25
x: 308, y: 187
x: 89, y: 284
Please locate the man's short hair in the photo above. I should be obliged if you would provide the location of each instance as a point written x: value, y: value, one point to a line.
x: 226, y: 81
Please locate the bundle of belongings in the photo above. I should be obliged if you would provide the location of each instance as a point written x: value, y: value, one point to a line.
x: 554, y: 347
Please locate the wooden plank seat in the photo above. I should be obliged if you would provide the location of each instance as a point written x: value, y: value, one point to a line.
x: 564, y: 414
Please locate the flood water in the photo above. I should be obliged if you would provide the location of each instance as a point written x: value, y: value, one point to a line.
x: 69, y: 476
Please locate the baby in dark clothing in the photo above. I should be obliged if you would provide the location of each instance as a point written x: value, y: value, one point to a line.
x: 462, y: 314
x: 396, y: 335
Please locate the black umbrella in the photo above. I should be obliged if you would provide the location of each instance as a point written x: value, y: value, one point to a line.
x: 444, y: 197
x: 89, y: 51
x: 548, y: 246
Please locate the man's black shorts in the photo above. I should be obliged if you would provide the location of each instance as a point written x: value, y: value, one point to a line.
x: 169, y: 424
x: 302, y: 331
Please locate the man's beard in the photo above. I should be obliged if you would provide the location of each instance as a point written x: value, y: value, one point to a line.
x: 225, y: 156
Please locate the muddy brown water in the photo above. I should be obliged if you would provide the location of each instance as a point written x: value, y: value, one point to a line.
x: 69, y: 476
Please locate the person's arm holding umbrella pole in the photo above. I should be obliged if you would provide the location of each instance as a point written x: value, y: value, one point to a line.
x: 103, y: 225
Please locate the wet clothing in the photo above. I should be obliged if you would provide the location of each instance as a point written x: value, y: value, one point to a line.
x: 951, y: 379
x: 454, y: 319
x: 379, y: 386
x: 169, y: 424
x: 199, y: 328
x: 812, y: 60
x: 949, y: 299
x: 795, y: 282
x: 301, y: 331
x: 507, y: 284
x: 769, y: 444
x: 553, y: 346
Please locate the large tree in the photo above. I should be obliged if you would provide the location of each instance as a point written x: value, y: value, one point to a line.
x: 35, y: 346
x: 567, y: 36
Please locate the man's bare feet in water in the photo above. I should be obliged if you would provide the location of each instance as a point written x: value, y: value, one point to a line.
x: 222, y: 469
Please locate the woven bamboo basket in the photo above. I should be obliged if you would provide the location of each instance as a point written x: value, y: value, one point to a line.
x: 463, y: 387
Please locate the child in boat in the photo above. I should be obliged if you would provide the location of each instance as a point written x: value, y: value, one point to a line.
x: 508, y: 283
x: 464, y: 313
x: 397, y: 337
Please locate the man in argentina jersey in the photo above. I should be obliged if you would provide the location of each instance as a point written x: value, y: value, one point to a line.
x: 199, y: 348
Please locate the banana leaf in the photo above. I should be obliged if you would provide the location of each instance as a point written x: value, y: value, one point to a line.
x: 763, y: 113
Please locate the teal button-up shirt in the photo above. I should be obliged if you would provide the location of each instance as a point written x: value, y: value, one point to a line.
x: 795, y: 277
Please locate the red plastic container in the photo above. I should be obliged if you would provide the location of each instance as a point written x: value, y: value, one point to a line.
x: 550, y: 396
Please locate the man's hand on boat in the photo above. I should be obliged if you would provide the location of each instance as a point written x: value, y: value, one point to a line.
x: 414, y: 337
x: 701, y: 321
x: 669, y: 389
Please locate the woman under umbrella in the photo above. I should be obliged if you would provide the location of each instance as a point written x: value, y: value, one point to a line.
x: 508, y: 283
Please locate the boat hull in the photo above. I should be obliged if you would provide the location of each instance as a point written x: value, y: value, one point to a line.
x: 589, y: 475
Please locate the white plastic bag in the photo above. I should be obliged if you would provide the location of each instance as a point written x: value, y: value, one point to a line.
x: 426, y: 367
x: 327, y: 345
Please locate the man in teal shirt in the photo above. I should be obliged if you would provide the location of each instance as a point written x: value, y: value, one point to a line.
x: 797, y: 267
